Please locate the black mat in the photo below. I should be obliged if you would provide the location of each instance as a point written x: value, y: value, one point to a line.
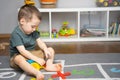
x: 104, y: 66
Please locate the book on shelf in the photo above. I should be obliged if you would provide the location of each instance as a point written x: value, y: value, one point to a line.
x: 114, y: 29
x: 119, y: 30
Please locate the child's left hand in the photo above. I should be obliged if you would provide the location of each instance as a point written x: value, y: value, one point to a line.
x: 47, y: 53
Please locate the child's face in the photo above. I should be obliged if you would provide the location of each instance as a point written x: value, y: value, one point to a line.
x: 30, y: 26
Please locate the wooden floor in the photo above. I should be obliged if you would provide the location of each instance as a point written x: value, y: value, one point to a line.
x: 86, y: 47
x: 72, y: 47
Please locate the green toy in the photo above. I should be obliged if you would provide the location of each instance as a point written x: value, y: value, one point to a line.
x: 44, y: 34
x: 65, y: 30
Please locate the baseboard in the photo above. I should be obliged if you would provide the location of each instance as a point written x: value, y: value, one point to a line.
x: 5, y: 35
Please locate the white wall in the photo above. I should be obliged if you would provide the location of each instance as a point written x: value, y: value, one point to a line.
x: 8, y: 14
x: 76, y: 3
x: 8, y: 11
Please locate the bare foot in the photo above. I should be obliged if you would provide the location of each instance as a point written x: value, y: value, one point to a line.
x: 54, y: 67
x: 39, y: 76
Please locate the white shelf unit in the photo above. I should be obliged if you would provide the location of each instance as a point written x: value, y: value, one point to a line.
x: 77, y: 18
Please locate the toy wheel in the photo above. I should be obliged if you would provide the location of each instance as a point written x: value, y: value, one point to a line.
x: 105, y: 4
x: 115, y: 3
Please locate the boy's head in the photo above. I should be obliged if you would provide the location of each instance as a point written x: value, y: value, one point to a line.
x: 29, y: 18
x: 27, y: 11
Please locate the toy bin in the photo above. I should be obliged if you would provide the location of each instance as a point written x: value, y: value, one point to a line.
x: 48, y: 3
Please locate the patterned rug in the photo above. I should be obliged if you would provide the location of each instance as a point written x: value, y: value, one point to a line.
x: 75, y: 67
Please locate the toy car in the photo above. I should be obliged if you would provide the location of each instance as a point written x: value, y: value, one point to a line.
x: 106, y: 3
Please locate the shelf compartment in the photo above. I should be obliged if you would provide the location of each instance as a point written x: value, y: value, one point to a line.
x: 93, y: 24
x: 114, y: 24
x: 44, y: 25
x: 59, y: 18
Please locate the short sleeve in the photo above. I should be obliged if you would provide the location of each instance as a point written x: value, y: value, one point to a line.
x: 16, y: 40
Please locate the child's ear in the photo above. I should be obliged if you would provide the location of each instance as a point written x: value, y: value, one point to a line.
x: 22, y: 20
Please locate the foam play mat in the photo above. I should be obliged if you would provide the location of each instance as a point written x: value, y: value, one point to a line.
x: 104, y: 66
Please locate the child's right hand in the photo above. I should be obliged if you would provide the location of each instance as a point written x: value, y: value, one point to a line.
x: 39, y: 76
x: 41, y: 61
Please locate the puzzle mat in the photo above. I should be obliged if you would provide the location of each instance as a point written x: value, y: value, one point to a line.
x: 81, y: 66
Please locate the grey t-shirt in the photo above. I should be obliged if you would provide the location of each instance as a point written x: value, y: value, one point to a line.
x: 19, y: 38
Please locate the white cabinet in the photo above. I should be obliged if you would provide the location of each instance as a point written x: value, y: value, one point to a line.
x: 89, y: 24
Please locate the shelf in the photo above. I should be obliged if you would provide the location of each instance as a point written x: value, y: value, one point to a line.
x: 79, y: 9
x: 81, y: 39
x: 96, y: 21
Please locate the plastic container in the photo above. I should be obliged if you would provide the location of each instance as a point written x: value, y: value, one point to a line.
x: 48, y: 3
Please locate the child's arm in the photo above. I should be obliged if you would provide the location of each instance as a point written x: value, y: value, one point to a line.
x: 43, y: 46
x: 28, y: 55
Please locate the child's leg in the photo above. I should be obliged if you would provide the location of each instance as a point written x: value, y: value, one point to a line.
x: 20, y: 61
x: 49, y: 64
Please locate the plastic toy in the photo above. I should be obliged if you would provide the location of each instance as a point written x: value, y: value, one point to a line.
x: 29, y: 2
x: 107, y: 3
x: 44, y: 34
x: 65, y: 30
x: 50, y: 79
x: 54, y: 33
x: 48, y: 1
x: 62, y: 75
x: 35, y: 65
x: 72, y: 31
x: 33, y: 79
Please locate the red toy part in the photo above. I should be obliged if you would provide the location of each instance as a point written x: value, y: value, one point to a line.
x: 62, y: 75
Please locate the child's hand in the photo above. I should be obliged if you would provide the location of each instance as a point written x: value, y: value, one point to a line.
x: 47, y: 53
x: 41, y: 61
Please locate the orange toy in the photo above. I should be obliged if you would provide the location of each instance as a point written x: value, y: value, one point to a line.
x: 48, y: 3
x: 53, y: 1
x: 62, y: 75
x: 29, y: 2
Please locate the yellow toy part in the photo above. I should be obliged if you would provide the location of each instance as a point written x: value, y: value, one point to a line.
x: 72, y: 31
x: 101, y: 1
x: 37, y: 66
x: 33, y: 79
x: 29, y: 2
x: 36, y: 79
x: 37, y: 28
x: 65, y: 23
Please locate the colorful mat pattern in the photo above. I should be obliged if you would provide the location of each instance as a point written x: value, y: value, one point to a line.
x: 104, y: 66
